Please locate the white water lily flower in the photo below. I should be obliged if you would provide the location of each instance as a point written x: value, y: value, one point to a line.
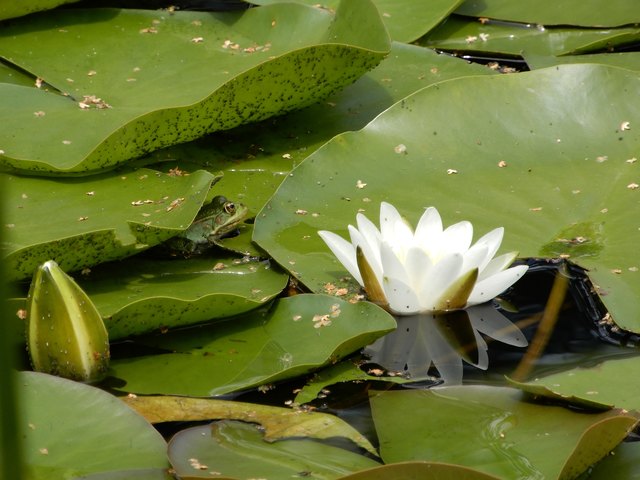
x: 429, y: 270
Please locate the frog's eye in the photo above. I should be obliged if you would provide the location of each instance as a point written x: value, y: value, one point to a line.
x: 230, y: 208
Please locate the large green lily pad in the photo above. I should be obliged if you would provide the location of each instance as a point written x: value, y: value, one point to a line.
x: 256, y: 158
x: 629, y: 60
x: 497, y: 38
x: 71, y: 429
x: 167, y: 78
x: 610, y: 383
x: 589, y: 13
x: 548, y: 154
x: 237, y: 450
x: 406, y: 20
x: 255, y: 349
x: 142, y: 295
x: 83, y: 222
x: 492, y: 430
x: 9, y: 9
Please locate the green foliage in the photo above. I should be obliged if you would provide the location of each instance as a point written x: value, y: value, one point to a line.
x: 297, y: 335
x: 558, y: 150
x: 102, y: 107
x: 72, y: 429
x: 308, y: 114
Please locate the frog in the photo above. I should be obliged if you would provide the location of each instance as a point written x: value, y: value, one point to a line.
x: 214, y: 221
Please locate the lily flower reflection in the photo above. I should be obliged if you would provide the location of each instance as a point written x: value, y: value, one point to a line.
x: 429, y: 270
x: 444, y: 340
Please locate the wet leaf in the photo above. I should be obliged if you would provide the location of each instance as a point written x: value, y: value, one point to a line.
x: 138, y: 474
x: 406, y: 20
x: 10, y: 9
x: 297, y: 335
x: 235, y: 449
x: 278, y: 423
x: 142, y: 295
x: 413, y: 470
x: 593, y: 13
x: 256, y: 158
x: 98, y: 434
x: 510, y: 438
x: 499, y: 39
x: 343, y: 372
x: 81, y: 223
x: 234, y: 68
x: 545, y: 174
x: 602, y: 384
x: 623, y: 462
x: 629, y: 60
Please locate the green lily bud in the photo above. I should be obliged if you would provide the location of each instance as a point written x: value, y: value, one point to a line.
x: 66, y: 335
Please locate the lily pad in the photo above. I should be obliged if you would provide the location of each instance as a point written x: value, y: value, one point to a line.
x: 630, y: 60
x: 498, y: 38
x: 256, y: 348
x: 622, y: 463
x: 278, y: 423
x: 142, y: 295
x: 83, y: 222
x: 590, y: 13
x: 406, y: 20
x: 99, y: 434
x: 237, y: 450
x: 602, y: 384
x: 343, y: 372
x: 492, y: 430
x: 534, y: 147
x: 25, y: 7
x: 256, y: 158
x: 413, y: 470
x: 234, y: 68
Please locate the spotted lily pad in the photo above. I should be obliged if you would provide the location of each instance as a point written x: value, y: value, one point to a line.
x: 609, y: 384
x: 532, y: 152
x: 497, y: 38
x: 80, y: 223
x: 295, y: 336
x: 169, y: 77
x: 591, y: 13
x: 406, y: 20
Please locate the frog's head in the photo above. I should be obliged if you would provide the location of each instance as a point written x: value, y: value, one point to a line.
x: 226, y: 215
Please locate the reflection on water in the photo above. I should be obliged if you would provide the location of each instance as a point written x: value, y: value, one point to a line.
x: 444, y: 340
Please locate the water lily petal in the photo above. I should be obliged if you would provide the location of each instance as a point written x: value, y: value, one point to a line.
x: 490, y: 287
x: 491, y: 241
x: 475, y: 257
x: 344, y: 252
x: 417, y: 264
x: 438, y: 279
x: 429, y: 230
x: 457, y: 237
x: 372, y: 285
x: 389, y: 216
x: 402, y: 299
x: 456, y: 295
x: 371, y: 253
x: 369, y: 231
x: 394, y: 229
x: 497, y: 265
